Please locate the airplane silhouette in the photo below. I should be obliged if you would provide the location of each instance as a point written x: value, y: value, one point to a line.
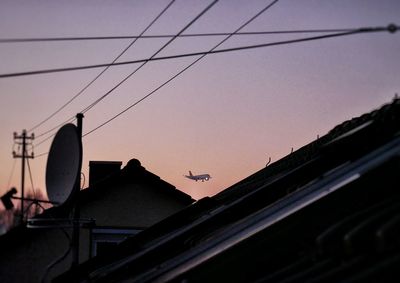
x: 203, y: 177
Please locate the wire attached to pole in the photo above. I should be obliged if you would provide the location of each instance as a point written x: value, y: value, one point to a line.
x: 211, y: 34
x: 183, y: 70
x: 105, y: 69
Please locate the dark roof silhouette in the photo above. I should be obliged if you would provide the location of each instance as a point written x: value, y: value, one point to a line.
x: 133, y: 173
x: 328, y: 212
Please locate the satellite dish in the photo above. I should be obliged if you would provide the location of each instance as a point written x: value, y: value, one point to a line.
x: 63, y: 164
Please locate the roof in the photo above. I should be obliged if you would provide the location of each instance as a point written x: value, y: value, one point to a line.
x: 332, y: 201
x: 133, y: 173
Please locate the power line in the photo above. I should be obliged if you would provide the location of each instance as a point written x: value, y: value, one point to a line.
x: 212, y: 51
x: 127, y: 77
x: 390, y: 28
x: 183, y: 70
x: 158, y: 36
x: 153, y: 56
x: 30, y: 176
x: 54, y: 128
x: 49, y: 137
x: 11, y: 173
x: 43, y: 141
x: 49, y: 131
x: 41, y: 154
x: 104, y: 70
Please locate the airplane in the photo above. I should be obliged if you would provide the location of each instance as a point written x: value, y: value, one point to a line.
x: 203, y: 177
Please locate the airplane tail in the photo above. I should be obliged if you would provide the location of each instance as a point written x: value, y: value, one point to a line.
x: 190, y: 173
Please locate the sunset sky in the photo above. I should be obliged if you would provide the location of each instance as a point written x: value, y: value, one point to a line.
x: 225, y: 116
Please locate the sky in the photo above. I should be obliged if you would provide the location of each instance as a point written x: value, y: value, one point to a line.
x: 225, y: 116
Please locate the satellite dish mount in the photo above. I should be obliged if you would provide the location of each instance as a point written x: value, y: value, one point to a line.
x: 63, y: 178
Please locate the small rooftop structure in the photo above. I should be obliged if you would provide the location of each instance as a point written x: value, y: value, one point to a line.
x: 100, y: 170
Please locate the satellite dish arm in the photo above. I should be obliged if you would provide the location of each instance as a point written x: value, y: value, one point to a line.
x: 76, y: 213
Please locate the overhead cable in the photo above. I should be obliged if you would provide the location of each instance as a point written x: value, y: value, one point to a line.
x: 104, y: 70
x: 49, y: 137
x: 153, y: 56
x: 11, y: 173
x: 54, y: 128
x: 42, y: 154
x: 132, y: 73
x: 30, y: 176
x: 157, y: 36
x: 44, y: 140
x: 284, y: 42
x: 183, y: 70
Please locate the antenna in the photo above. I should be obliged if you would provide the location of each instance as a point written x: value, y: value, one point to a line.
x: 63, y: 164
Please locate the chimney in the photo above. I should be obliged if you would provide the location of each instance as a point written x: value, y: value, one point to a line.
x: 99, y: 170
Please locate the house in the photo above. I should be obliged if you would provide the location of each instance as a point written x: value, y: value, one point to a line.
x: 328, y: 212
x: 117, y: 204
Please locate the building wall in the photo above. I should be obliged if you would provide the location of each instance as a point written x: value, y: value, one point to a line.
x: 140, y: 206
x: 129, y: 205
x: 26, y: 258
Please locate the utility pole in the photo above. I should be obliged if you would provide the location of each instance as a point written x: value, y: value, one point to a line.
x: 22, y: 140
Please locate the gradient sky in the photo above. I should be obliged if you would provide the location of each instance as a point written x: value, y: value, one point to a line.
x: 226, y: 115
